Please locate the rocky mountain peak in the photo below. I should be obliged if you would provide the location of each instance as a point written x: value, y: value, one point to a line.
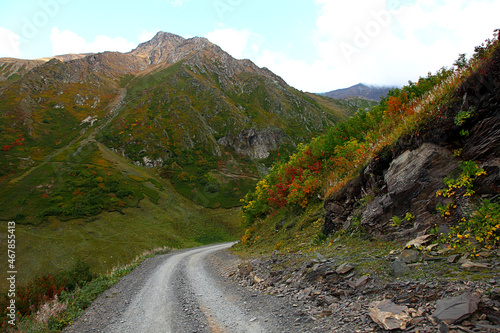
x: 159, y: 48
x: 160, y: 40
x: 165, y: 47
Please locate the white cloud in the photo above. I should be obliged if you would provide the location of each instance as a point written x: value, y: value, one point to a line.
x: 367, y: 41
x: 238, y: 43
x: 66, y: 41
x: 297, y: 73
x: 383, y: 41
x: 9, y: 44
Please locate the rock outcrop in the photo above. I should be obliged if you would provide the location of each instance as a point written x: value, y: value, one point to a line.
x: 405, y: 177
x: 455, y: 309
x: 389, y: 315
x: 411, y: 181
x: 256, y: 144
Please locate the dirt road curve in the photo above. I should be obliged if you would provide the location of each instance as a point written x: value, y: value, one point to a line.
x: 185, y: 292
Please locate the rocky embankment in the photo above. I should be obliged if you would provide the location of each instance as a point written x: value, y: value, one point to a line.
x: 336, y: 295
x: 422, y: 285
x: 405, y: 177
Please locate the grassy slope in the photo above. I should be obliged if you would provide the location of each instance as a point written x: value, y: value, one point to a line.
x: 153, y: 215
x: 285, y: 212
x: 116, y: 237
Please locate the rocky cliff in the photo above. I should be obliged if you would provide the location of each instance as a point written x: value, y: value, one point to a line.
x: 254, y: 143
x: 404, y: 178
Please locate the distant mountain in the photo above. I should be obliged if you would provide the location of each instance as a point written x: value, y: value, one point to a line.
x: 360, y: 90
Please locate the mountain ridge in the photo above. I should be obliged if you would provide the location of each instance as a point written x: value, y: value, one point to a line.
x: 362, y: 90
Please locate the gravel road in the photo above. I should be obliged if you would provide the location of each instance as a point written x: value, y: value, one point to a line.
x: 185, y: 291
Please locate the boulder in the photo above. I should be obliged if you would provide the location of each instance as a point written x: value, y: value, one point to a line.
x: 361, y: 281
x: 453, y: 310
x: 412, y: 180
x: 474, y: 266
x: 244, y: 270
x: 418, y: 242
x: 344, y: 268
x: 389, y: 316
x: 409, y: 256
x: 399, y: 268
x: 418, y: 172
x: 256, y: 278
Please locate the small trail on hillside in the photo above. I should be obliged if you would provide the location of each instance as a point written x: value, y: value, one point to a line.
x: 185, y: 291
x: 114, y: 108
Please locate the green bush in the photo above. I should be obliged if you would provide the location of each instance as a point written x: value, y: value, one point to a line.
x: 124, y: 193
x: 79, y: 275
x: 52, y: 211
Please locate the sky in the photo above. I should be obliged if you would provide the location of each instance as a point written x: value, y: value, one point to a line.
x: 314, y: 45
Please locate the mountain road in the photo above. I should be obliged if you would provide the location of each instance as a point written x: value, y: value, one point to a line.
x: 186, y: 291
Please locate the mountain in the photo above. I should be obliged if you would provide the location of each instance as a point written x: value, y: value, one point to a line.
x: 186, y: 106
x: 360, y: 90
x: 11, y: 69
x: 141, y: 140
x: 97, y: 150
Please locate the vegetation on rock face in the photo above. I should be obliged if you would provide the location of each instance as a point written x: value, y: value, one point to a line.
x: 480, y: 227
x: 339, y: 154
x: 322, y: 167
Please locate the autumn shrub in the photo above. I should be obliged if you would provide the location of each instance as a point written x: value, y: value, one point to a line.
x: 464, y: 183
x: 248, y: 235
x: 254, y: 206
x: 30, y: 297
x: 477, y: 231
x: 485, y: 221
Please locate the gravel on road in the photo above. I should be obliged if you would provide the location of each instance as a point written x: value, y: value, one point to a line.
x: 186, y: 291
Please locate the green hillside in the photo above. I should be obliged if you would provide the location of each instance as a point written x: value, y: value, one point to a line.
x: 97, y: 207
x: 332, y: 185
x: 187, y: 119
